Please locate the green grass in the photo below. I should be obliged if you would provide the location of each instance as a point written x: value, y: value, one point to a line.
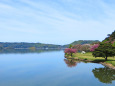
x: 88, y: 56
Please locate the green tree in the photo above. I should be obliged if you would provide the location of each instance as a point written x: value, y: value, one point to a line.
x: 70, y: 46
x: 104, y: 50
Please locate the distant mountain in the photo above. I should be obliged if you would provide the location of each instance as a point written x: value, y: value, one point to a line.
x: 24, y: 45
x: 84, y: 42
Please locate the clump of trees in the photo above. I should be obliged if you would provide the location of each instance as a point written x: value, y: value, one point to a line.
x: 78, y: 47
x: 84, y: 47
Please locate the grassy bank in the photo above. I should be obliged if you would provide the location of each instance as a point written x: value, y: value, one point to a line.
x: 88, y: 56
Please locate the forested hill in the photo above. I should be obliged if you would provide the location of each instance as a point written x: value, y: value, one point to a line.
x: 24, y: 45
x: 84, y: 42
x: 111, y: 37
x: 8, y: 45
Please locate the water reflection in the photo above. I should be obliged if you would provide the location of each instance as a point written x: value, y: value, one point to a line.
x: 105, y: 75
x: 71, y: 63
x: 23, y: 51
x: 44, y: 68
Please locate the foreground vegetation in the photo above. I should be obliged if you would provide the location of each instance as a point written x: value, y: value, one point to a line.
x: 88, y: 56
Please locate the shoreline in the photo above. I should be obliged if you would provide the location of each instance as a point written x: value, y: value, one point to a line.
x: 109, y: 65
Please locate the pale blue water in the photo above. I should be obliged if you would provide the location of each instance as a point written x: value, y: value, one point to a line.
x: 50, y: 69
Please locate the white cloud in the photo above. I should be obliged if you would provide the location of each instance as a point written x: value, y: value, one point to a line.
x: 58, y: 20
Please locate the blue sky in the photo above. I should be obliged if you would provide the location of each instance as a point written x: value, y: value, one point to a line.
x: 56, y: 21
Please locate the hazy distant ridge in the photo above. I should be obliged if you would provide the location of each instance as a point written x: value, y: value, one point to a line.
x: 25, y: 45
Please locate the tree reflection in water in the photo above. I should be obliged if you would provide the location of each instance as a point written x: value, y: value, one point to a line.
x: 105, y: 75
x: 70, y: 63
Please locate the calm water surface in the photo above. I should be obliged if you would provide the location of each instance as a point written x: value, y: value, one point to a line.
x: 50, y: 68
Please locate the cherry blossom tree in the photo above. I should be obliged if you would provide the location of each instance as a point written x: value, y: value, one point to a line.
x: 94, y: 47
x: 70, y: 51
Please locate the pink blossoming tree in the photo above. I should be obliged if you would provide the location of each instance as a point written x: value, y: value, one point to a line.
x: 70, y: 51
x: 94, y: 47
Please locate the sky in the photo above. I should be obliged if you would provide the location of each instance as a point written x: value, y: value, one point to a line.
x: 56, y: 21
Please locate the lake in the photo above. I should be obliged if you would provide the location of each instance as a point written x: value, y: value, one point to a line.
x: 50, y: 68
